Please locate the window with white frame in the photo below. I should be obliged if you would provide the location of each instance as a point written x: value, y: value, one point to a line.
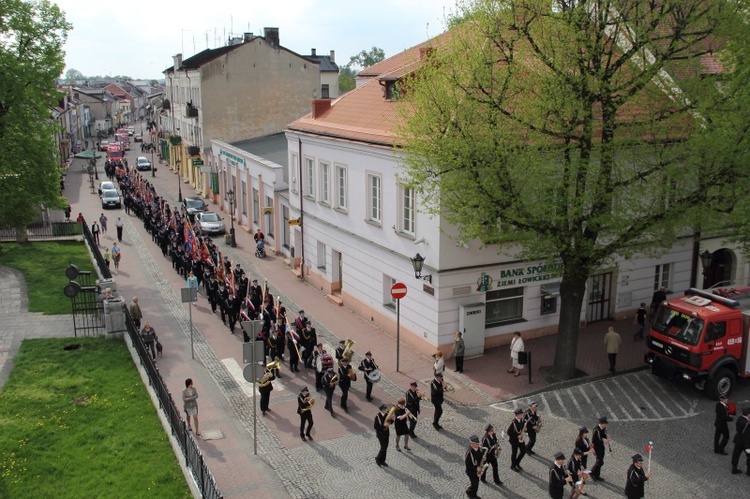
x: 374, y: 197
x: 309, y: 178
x: 503, y: 305
x: 325, y: 181
x: 662, y: 274
x: 408, y: 210
x: 341, y: 187
x: 292, y: 169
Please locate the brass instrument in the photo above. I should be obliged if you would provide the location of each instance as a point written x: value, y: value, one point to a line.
x: 411, y: 415
x: 389, y: 417
x: 308, y: 400
x: 333, y: 379
x: 348, y: 353
x: 352, y: 374
x: 422, y: 397
x: 447, y: 387
x: 483, y: 465
x: 276, y: 364
x: 266, y: 379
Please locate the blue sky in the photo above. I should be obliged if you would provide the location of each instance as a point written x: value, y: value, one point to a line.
x: 139, y: 37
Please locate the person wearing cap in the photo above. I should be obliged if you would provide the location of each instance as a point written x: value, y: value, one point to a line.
x: 583, y: 444
x: 340, y: 351
x: 436, y: 396
x: 721, y: 423
x: 345, y: 382
x: 599, y: 440
x: 304, y: 409
x: 491, y: 443
x: 301, y: 321
x: 516, y: 438
x: 367, y: 366
x: 473, y: 461
x: 383, y: 432
x: 309, y: 341
x: 742, y: 441
x: 576, y: 469
x: 636, y: 479
x: 318, y: 363
x: 557, y: 477
x: 532, y: 420
x: 412, y: 397
x: 329, y: 386
x: 402, y: 425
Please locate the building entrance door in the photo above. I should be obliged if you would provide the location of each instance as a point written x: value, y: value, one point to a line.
x: 600, y: 297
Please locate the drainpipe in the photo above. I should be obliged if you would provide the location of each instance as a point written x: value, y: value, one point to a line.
x: 301, y: 211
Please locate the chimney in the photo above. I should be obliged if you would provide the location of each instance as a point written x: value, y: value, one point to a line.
x: 333, y: 56
x: 177, y: 60
x: 313, y: 52
x: 320, y: 106
x: 248, y: 37
x: 272, y: 36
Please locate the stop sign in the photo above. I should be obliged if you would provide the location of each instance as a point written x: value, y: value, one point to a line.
x: 398, y: 291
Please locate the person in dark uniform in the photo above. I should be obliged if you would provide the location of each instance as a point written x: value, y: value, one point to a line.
x: 383, y: 432
x: 412, y: 403
x: 576, y: 470
x: 599, y: 440
x: 233, y: 311
x: 367, y: 366
x: 340, y: 351
x: 657, y: 298
x: 584, y: 445
x: 531, y: 418
x: 309, y: 340
x: 473, y: 461
x: 516, y: 439
x: 265, y: 386
x: 436, y: 397
x: 329, y: 386
x: 741, y: 441
x: 292, y: 343
x: 223, y: 299
x: 304, y: 409
x: 345, y: 382
x: 721, y: 434
x: 319, y: 372
x: 492, y: 446
x: 401, y: 423
x: 557, y: 477
x: 636, y: 479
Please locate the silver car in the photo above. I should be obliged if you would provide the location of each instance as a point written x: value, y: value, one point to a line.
x: 210, y: 223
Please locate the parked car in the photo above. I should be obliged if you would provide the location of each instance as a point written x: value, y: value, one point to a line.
x: 103, y: 145
x: 143, y: 163
x: 111, y: 199
x: 131, y: 130
x: 138, y: 137
x: 210, y: 223
x: 106, y: 185
x: 193, y: 205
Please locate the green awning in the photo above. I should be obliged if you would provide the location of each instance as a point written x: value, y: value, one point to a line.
x: 88, y: 154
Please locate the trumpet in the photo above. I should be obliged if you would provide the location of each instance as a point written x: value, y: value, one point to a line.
x: 348, y: 353
x: 422, y: 397
x: 447, y: 387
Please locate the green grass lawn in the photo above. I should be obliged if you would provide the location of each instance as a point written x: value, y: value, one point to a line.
x: 79, y: 423
x: 43, y: 265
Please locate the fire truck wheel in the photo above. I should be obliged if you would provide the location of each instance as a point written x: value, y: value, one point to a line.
x: 721, y: 384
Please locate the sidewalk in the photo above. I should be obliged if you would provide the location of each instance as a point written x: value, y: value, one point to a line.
x: 224, y: 403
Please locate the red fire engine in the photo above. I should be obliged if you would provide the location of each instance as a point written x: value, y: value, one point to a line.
x: 702, y: 338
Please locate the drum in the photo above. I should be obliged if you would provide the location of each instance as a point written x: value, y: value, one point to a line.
x: 373, y: 376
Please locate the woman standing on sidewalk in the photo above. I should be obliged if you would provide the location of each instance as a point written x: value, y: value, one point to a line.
x: 516, y: 346
x: 190, y: 404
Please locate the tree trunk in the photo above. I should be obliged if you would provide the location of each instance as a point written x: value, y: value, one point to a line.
x: 572, y: 290
x: 21, y: 234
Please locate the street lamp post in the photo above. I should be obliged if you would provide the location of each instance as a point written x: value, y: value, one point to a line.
x: 93, y: 158
x: 230, y: 195
x: 179, y: 184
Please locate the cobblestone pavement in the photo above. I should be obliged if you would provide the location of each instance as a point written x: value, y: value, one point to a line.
x: 340, y: 461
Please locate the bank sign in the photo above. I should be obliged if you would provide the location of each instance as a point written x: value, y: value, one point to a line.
x: 519, y: 276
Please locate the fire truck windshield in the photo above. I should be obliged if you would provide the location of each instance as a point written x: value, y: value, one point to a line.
x: 678, y: 325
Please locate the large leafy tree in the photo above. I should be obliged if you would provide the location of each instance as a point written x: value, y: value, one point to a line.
x: 576, y: 131
x: 32, y: 34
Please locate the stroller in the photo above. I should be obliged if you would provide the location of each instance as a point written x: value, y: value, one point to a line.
x: 260, y: 249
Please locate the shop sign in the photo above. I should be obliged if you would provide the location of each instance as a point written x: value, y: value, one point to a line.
x: 519, y: 276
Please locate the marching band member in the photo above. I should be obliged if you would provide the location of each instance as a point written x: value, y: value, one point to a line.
x: 584, y: 445
x: 340, y: 351
x: 516, y: 438
x: 599, y: 440
x: 329, y: 386
x: 309, y: 340
x: 473, y: 461
x: 531, y: 418
x: 368, y: 365
x: 412, y: 403
x: 294, y: 353
x: 636, y: 479
x: 318, y: 366
x: 491, y: 443
x: 558, y: 477
x: 382, y: 430
x: 275, y: 343
x: 402, y: 425
x: 304, y: 409
x: 346, y: 374
x: 436, y: 396
x: 265, y: 386
x: 576, y: 471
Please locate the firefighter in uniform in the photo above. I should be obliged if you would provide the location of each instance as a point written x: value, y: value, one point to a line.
x: 636, y: 480
x: 532, y: 419
x: 383, y: 432
x: 516, y: 440
x: 491, y: 443
x: 473, y: 461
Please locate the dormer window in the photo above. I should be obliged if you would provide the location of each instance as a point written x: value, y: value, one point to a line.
x: 393, y: 88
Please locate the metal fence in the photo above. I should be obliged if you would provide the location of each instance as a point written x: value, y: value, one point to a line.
x: 41, y: 231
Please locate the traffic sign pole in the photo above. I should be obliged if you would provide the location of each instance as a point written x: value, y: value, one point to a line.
x: 398, y: 291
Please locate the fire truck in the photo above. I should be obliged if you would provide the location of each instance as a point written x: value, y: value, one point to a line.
x: 702, y: 338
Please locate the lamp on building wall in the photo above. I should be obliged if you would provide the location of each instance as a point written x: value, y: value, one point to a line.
x: 418, y: 262
x: 706, y: 257
x: 231, y: 241
x: 179, y: 183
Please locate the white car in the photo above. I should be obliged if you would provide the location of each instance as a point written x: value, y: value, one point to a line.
x: 111, y: 199
x: 210, y: 223
x: 106, y: 186
x: 143, y: 163
x: 131, y: 130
